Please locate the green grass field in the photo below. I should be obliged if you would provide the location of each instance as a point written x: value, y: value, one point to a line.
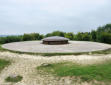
x: 99, y: 72
x: 3, y: 64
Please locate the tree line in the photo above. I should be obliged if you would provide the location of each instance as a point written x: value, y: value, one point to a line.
x: 102, y: 34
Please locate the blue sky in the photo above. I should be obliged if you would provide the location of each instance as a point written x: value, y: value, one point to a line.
x: 44, y: 16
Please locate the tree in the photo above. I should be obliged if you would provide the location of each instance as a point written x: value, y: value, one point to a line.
x: 35, y: 36
x: 9, y: 39
x: 86, y: 36
x: 69, y: 35
x: 58, y: 33
x: 48, y: 35
x: 93, y: 35
x: 105, y: 37
x: 79, y: 36
x: 27, y: 37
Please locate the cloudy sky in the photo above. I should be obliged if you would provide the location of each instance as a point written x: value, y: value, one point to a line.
x: 43, y: 16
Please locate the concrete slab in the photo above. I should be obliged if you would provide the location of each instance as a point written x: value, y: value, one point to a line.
x: 73, y: 47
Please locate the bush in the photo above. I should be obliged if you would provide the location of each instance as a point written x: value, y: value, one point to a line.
x: 105, y: 37
x: 86, y: 36
x: 78, y: 36
x: 13, y: 78
x: 83, y: 36
x: 9, y: 39
x: 27, y: 37
x: 93, y: 35
x: 32, y: 36
x: 69, y: 35
x: 55, y: 33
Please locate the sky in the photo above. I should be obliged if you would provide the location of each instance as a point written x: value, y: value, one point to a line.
x: 44, y: 16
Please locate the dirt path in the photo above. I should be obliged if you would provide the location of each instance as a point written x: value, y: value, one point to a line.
x: 25, y: 65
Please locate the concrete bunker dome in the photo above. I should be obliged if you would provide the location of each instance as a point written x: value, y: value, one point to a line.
x: 54, y: 40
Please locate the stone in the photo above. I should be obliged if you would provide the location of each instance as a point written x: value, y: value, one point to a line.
x: 13, y: 76
x: 45, y: 64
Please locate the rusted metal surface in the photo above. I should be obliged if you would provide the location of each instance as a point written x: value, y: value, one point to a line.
x: 54, y: 40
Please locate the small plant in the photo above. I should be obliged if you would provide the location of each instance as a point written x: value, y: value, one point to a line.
x: 14, y: 78
x: 4, y: 63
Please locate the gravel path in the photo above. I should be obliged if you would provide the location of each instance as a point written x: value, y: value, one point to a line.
x: 25, y: 65
x: 73, y: 47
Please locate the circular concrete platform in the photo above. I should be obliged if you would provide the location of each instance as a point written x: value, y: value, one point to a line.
x: 73, y: 47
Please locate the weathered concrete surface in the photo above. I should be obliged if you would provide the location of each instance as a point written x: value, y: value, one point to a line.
x: 73, y: 47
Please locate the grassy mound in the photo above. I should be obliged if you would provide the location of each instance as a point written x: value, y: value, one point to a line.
x: 100, y: 72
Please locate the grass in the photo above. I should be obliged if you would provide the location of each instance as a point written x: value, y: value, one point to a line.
x: 99, y: 72
x: 2, y: 49
x: 15, y: 79
x: 3, y: 64
x: 107, y: 51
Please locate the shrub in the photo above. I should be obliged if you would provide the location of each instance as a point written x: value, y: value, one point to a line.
x: 69, y: 35
x: 105, y: 37
x: 9, y: 39
x: 13, y: 78
x: 32, y: 36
